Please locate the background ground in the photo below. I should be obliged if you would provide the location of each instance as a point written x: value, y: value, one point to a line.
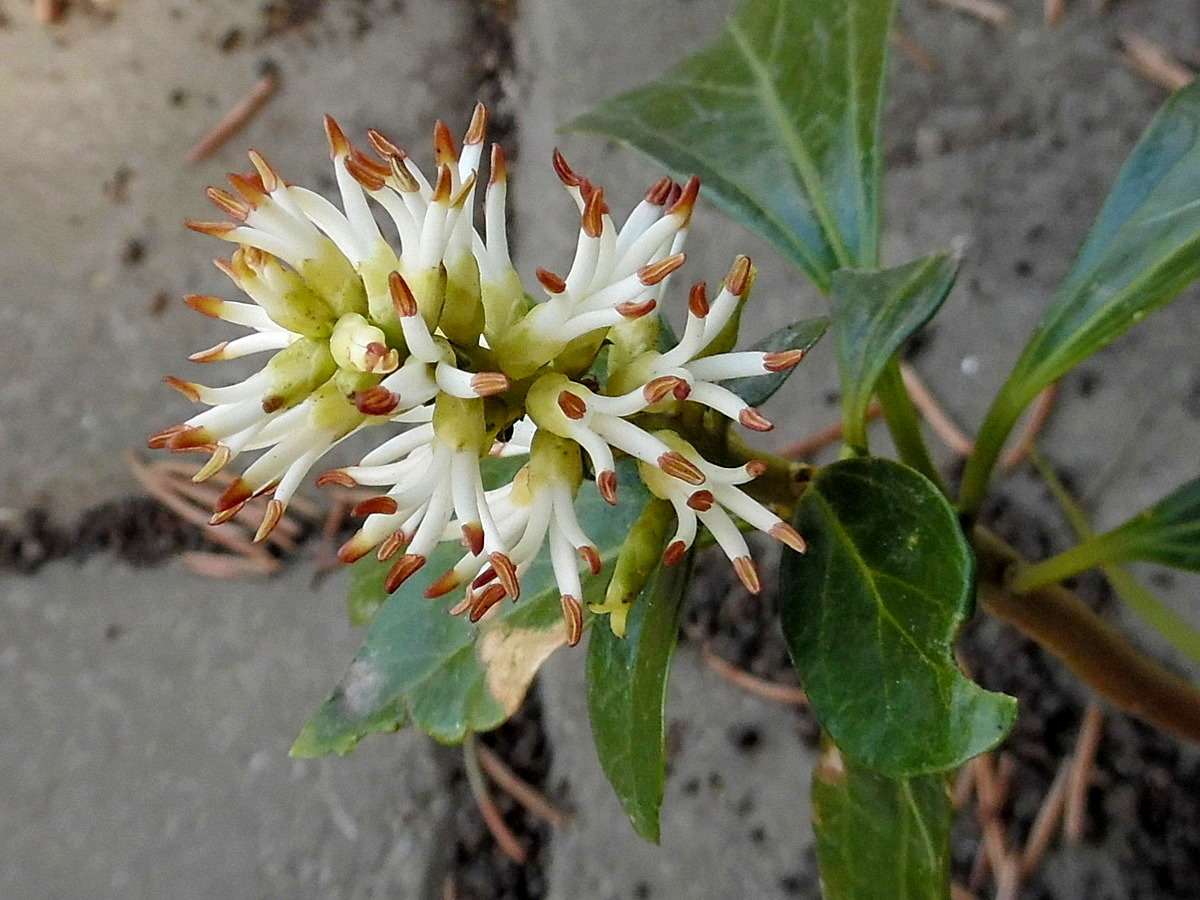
x: 146, y: 712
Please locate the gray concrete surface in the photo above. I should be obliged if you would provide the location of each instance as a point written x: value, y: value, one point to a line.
x: 151, y: 763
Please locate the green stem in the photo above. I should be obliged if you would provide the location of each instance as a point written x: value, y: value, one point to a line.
x: 904, y: 424
x: 988, y: 444
x: 1091, y: 648
x: 1092, y: 553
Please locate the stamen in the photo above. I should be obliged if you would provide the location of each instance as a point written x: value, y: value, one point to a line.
x: 488, y: 384
x: 472, y: 535
x: 187, y: 388
x: 701, y: 501
x: 551, y: 282
x: 478, y: 126
x: 218, y: 461
x: 593, y: 214
x: 391, y: 545
x: 657, y: 389
x: 678, y: 466
x: 756, y: 467
x: 228, y: 203
x: 270, y: 519
x: 363, y: 174
x: 754, y: 420
x: 383, y: 146
x: 338, y: 477
x: 402, y: 569
x: 498, y: 170
x: 591, y: 556
x: 270, y: 178
x: 659, y: 191
x: 485, y: 600
x: 781, y: 360
x: 564, y: 172
x: 338, y: 145
x: 698, y: 300
x: 687, y: 200
x: 444, y: 150
x: 572, y: 405
x: 213, y: 229
x: 633, y: 310
x: 250, y: 187
x: 506, y: 573
x: 444, y: 585
x: 738, y: 278
x: 402, y: 296
x: 606, y: 483
x: 653, y: 273
x: 235, y: 495
x: 572, y: 611
x: 376, y: 401
x: 790, y: 536
x: 674, y: 553
x: 376, y: 506
x: 748, y: 573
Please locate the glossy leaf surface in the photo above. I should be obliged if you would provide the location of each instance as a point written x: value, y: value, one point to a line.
x: 803, y: 335
x: 780, y: 120
x: 880, y: 838
x: 627, y: 693
x: 440, y: 672
x: 870, y: 614
x: 874, y: 311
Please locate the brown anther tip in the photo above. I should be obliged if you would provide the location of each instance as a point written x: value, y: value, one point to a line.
x: 564, y: 172
x: 572, y: 405
x: 572, y: 611
x: 679, y: 466
x: 463, y: 193
x: 365, y: 175
x: 270, y: 178
x: 225, y: 267
x: 478, y: 127
x: 593, y: 214
x: 402, y: 296
x: 402, y: 569
x: 352, y: 551
x: 376, y: 401
x: 441, y: 191
x: 701, y: 501
x: 686, y: 200
x: 738, y: 278
x: 212, y: 354
x: 756, y: 467
x: 338, y: 477
x: 220, y: 518
x: 444, y: 151
x: 187, y: 388
x: 273, y: 403
x: 606, y: 484
x: 747, y: 572
x: 205, y: 304
x: 659, y: 191
x: 391, y: 545
x: 698, y: 300
x: 658, y: 388
x: 228, y: 203
x: 591, y: 556
x: 161, y: 440
x: 249, y: 186
x: 445, y: 583
x: 462, y: 605
x: 383, y: 146
x: 472, y: 537
x: 213, y: 229
x: 674, y: 553
x: 633, y: 310
x: 235, y: 495
x: 380, y: 359
x: 551, y: 282
x: 782, y: 360
x: 498, y: 171
x: 683, y: 390
x: 754, y: 420
x: 784, y: 532
x: 653, y: 273
x: 402, y: 178
x: 338, y: 145
x: 506, y: 573
x: 485, y: 600
x: 376, y: 506
x: 270, y: 519
x: 489, y: 384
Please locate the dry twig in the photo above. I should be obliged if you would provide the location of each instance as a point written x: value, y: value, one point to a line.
x: 1045, y: 823
x: 47, y: 12
x: 242, y: 112
x: 989, y: 11
x: 1042, y: 407
x: 769, y: 690
x: 505, y: 839
x: 1053, y: 12
x: 519, y: 789
x: 1153, y: 61
x: 826, y: 436
x: 1081, y: 772
x: 943, y: 426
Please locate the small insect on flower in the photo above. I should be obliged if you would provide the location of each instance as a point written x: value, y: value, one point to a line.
x: 434, y: 345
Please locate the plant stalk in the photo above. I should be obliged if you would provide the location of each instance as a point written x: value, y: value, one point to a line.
x: 904, y: 424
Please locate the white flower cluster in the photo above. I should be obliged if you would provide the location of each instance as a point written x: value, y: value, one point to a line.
x: 437, y: 341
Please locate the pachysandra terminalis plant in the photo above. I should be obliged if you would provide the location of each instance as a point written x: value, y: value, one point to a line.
x: 564, y: 452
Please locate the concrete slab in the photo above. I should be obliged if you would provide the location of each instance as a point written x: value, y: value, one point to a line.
x: 144, y: 730
x: 94, y: 255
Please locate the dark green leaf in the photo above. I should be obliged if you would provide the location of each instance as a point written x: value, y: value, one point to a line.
x: 627, y: 693
x: 802, y: 335
x: 870, y: 614
x: 874, y: 312
x: 879, y: 838
x: 1168, y: 533
x: 780, y: 118
x: 1143, y: 249
x: 440, y: 672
